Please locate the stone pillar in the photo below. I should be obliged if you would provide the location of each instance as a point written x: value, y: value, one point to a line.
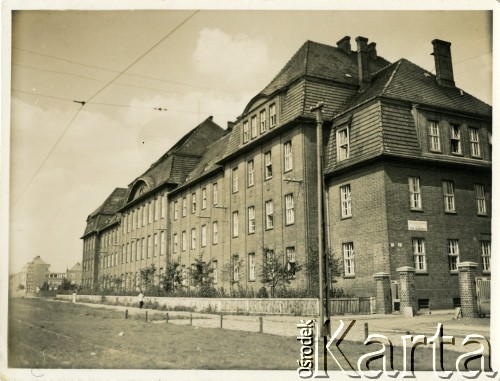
x: 384, y: 300
x: 407, y: 290
x: 467, y: 284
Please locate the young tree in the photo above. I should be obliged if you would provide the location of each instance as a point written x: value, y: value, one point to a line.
x: 274, y: 271
x: 312, y: 268
x: 147, y: 276
x: 202, y: 276
x: 172, y: 277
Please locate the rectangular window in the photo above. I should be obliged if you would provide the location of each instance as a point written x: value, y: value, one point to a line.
x: 419, y: 261
x: 480, y: 199
x: 475, y: 146
x: 124, y: 226
x: 144, y: 215
x: 236, y: 268
x: 288, y: 156
x: 434, y: 142
x: 151, y: 212
x: 157, y: 209
x: 129, y: 222
x: 348, y: 253
x: 215, y: 233
x: 215, y: 194
x: 193, y: 202
x: 289, y: 209
x: 453, y: 255
x: 214, y: 273
x: 203, y: 235
x: 345, y: 201
x: 486, y: 256
x: 155, y: 249
x: 290, y: 261
x: 128, y: 253
x: 268, y: 165
x: 251, y: 220
x: 163, y: 206
x: 263, y: 121
x: 253, y: 126
x: 150, y: 246
x: 235, y: 224
x: 269, y: 215
x: 235, y: 179
x: 272, y: 115
x: 133, y: 222
x: 415, y: 196
x: 176, y: 210
x: 143, y: 248
x: 245, y: 132
x: 176, y: 243
x: 251, y: 266
x: 455, y: 142
x: 204, y: 198
x: 193, y: 239
x: 163, y: 244
x: 343, y: 144
x: 449, y: 196
x: 250, y: 173
x: 184, y: 207
x: 183, y: 241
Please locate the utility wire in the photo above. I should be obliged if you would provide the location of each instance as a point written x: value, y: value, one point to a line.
x: 97, y: 93
x: 143, y: 55
x: 127, y: 74
x: 93, y: 103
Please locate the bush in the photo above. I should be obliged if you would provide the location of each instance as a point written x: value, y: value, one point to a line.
x: 262, y: 293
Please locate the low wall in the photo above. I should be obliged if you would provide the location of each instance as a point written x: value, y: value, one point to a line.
x: 303, y: 307
x: 268, y: 306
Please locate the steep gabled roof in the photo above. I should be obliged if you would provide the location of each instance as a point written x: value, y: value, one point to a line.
x: 178, y: 161
x: 407, y: 81
x: 105, y: 214
x: 321, y: 61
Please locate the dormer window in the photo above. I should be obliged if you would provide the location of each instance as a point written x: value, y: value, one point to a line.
x: 434, y: 141
x: 456, y: 144
x: 272, y: 115
x: 245, y: 131
x: 263, y: 121
x: 343, y: 143
x: 253, y: 126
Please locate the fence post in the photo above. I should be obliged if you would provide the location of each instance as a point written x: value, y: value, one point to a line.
x: 126, y: 314
x: 221, y: 320
x: 167, y: 317
x: 190, y: 319
x: 261, y: 325
x: 366, y: 331
x: 146, y: 315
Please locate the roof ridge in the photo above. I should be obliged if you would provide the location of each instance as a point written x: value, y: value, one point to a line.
x: 398, y: 63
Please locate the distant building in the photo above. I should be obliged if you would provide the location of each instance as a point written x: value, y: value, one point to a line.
x: 34, y: 274
x: 407, y: 168
x: 54, y: 280
x: 74, y: 275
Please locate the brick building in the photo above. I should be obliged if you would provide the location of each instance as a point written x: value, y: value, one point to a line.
x: 394, y: 134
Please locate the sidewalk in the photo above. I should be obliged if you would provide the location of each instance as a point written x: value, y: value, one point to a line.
x: 391, y: 326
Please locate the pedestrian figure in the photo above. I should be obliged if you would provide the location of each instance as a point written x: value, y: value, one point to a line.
x: 141, y: 299
x: 74, y: 296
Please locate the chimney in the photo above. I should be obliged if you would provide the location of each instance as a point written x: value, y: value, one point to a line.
x: 442, y: 61
x: 230, y: 126
x: 372, y: 50
x: 345, y: 44
x: 363, y: 68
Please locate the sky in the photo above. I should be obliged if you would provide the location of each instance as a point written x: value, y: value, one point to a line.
x: 66, y: 158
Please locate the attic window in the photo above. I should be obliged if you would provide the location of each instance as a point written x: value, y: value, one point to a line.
x: 427, y: 75
x: 348, y: 75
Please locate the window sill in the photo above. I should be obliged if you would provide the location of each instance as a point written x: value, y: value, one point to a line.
x: 451, y: 212
x: 288, y: 170
x: 346, y: 218
x: 349, y: 276
x: 269, y: 228
x: 290, y: 224
x: 457, y: 154
x: 453, y: 272
x: 421, y: 272
x: 416, y: 210
x: 482, y: 214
